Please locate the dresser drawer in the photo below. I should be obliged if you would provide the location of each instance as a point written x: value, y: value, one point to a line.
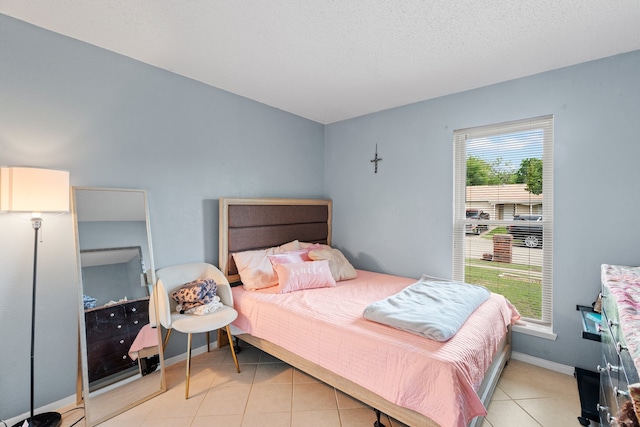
x: 117, y: 343
x: 620, y: 286
x: 108, y: 364
x: 137, y: 308
x: 110, y: 331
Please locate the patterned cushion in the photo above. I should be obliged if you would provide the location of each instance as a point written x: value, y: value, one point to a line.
x: 194, y: 294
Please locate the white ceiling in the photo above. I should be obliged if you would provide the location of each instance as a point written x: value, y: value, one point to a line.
x: 329, y: 60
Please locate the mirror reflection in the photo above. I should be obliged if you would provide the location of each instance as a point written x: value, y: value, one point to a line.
x: 120, y: 352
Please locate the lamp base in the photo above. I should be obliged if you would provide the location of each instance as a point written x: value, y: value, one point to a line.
x: 46, y: 419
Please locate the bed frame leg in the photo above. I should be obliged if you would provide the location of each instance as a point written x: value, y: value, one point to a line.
x: 377, y: 423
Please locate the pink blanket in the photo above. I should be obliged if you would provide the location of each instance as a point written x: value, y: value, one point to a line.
x: 147, y: 337
x: 326, y: 327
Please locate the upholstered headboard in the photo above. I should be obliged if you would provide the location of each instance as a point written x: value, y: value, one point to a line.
x: 250, y: 224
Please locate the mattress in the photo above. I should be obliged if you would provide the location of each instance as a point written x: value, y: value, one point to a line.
x: 326, y: 327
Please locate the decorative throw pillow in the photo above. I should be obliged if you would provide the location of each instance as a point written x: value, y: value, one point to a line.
x: 194, y: 294
x: 255, y: 268
x: 340, y: 267
x: 300, y: 255
x: 304, y: 275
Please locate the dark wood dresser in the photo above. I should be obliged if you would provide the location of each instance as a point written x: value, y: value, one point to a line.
x: 110, y: 332
x: 620, y: 324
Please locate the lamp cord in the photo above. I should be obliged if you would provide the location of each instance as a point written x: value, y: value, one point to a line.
x: 36, y: 223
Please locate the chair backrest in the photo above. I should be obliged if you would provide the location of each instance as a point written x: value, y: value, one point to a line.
x: 171, y: 278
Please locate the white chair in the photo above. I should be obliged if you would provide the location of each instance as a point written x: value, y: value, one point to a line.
x: 170, y: 279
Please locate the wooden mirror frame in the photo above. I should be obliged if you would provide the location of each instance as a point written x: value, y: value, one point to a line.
x: 124, y: 393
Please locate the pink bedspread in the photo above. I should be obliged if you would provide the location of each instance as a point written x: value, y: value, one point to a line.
x: 326, y: 327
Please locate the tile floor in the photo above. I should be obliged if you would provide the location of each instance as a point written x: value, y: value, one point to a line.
x: 270, y: 393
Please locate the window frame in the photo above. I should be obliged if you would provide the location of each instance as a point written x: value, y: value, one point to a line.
x: 459, y: 205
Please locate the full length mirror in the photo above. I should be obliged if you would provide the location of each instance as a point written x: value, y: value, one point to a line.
x: 122, y: 363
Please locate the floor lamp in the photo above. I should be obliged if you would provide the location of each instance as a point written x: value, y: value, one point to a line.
x: 34, y: 190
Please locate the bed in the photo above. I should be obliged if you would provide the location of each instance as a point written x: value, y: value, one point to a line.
x: 322, y: 331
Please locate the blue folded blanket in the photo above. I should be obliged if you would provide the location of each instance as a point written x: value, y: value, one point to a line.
x: 435, y: 310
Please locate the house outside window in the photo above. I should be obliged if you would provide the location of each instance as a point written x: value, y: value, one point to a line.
x: 503, y: 212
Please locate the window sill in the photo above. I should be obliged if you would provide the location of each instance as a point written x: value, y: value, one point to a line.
x: 535, y: 330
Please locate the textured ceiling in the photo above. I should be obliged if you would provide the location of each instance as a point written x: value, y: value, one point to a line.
x: 329, y: 60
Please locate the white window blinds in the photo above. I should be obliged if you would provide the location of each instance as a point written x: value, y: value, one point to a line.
x: 503, y: 212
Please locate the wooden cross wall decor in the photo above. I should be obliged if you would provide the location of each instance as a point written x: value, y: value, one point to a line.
x: 376, y: 159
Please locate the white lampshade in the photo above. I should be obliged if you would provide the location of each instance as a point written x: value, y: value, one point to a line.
x: 25, y: 189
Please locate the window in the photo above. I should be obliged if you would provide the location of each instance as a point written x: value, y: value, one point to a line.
x: 503, y: 212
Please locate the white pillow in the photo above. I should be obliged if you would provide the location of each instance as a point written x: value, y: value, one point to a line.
x: 340, y: 267
x: 255, y: 269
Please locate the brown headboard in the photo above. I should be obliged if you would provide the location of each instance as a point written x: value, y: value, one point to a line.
x: 250, y: 224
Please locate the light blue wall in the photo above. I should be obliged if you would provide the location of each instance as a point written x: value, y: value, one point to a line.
x: 400, y: 219
x: 114, y: 122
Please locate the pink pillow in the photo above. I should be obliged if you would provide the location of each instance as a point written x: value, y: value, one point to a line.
x: 301, y: 255
x: 303, y: 275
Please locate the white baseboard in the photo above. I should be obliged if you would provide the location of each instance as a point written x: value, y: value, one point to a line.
x: 543, y: 363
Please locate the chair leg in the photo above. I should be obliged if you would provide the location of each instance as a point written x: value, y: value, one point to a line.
x: 186, y: 393
x: 166, y: 339
x: 208, y: 343
x: 233, y: 351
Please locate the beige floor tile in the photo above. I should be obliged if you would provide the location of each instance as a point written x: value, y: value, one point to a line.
x: 347, y: 402
x: 521, y: 380
x: 225, y: 401
x: 281, y: 419
x: 226, y: 375
x: 507, y: 413
x: 359, y: 417
x: 273, y: 373
x: 301, y: 377
x: 201, y: 378
x: 246, y: 355
x: 313, y: 397
x: 117, y: 422
x: 498, y: 394
x: 394, y: 423
x: 267, y: 358
x: 553, y: 411
x: 218, y: 420
x: 173, y: 403
x: 325, y: 418
x: 485, y: 423
x: 270, y: 398
x: 215, y: 357
x: 166, y: 422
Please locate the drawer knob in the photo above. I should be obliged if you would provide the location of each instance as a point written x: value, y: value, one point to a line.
x: 601, y: 369
x: 612, y: 419
x: 612, y: 368
x: 613, y: 323
x: 601, y: 408
x: 599, y: 328
x: 112, y: 314
x: 620, y: 347
x: 619, y: 392
x: 135, y: 322
x: 134, y: 309
x: 119, y: 326
x: 124, y: 357
x: 121, y: 341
